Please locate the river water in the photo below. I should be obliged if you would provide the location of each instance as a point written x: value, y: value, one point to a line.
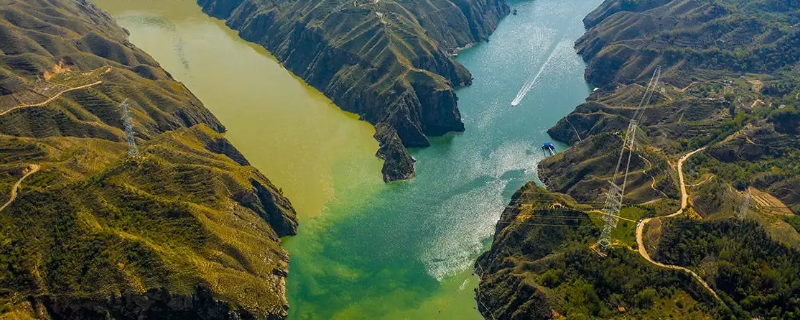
x: 368, y: 250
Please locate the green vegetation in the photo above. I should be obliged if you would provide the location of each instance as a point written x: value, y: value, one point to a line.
x: 755, y: 273
x: 186, y: 230
x: 162, y: 221
x: 586, y: 286
x: 729, y: 84
x: 786, y: 120
x: 538, y: 271
x: 794, y: 221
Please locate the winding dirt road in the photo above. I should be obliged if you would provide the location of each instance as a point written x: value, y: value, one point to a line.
x: 51, y: 98
x: 32, y: 169
x: 684, y: 203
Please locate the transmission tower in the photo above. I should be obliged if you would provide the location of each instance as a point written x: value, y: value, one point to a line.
x: 615, y: 194
x: 133, y: 151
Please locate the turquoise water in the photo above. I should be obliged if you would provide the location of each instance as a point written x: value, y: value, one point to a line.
x: 368, y: 250
x: 406, y: 251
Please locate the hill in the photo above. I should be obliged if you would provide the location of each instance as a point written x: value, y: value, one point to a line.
x: 730, y: 90
x: 541, y: 267
x: 186, y: 229
x: 730, y: 82
x: 389, y: 61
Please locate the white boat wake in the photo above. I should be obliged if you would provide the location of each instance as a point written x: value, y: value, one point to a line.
x: 531, y: 82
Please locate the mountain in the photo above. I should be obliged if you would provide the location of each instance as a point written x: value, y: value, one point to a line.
x: 389, y: 61
x: 730, y: 91
x: 186, y: 229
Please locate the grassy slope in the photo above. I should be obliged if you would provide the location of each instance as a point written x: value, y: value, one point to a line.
x: 755, y: 273
x: 535, y: 271
x: 190, y: 214
x: 730, y: 83
x: 732, y: 104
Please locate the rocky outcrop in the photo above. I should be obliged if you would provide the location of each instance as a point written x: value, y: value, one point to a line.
x: 223, y: 146
x: 388, y: 61
x: 273, y: 207
x: 398, y: 165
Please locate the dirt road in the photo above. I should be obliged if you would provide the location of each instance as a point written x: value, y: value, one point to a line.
x: 684, y: 204
x: 51, y: 98
x: 31, y: 170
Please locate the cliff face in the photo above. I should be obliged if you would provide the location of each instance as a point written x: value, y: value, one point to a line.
x: 185, y: 230
x: 388, y: 61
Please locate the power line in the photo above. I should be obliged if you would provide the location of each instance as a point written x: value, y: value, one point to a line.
x: 615, y: 195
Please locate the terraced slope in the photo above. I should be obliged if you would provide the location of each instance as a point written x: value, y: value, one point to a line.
x: 186, y: 230
x: 731, y: 85
x: 389, y: 61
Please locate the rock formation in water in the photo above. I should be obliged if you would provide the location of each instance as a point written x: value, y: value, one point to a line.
x: 730, y: 85
x: 389, y: 61
x: 185, y: 230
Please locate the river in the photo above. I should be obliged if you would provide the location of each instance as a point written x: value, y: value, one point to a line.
x: 368, y: 250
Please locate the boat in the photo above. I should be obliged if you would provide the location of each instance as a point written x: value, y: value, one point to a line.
x: 549, y: 147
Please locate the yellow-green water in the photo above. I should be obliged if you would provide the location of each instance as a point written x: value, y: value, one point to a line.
x: 290, y: 131
x: 366, y: 250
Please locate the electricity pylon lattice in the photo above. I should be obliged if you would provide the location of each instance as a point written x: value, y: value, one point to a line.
x: 616, y: 192
x: 133, y: 151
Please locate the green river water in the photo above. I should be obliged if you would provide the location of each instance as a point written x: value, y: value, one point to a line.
x: 365, y: 249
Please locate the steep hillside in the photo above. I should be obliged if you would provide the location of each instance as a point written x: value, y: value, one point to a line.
x: 540, y: 266
x: 759, y: 275
x: 691, y: 39
x: 730, y: 82
x: 730, y: 90
x: 389, y: 61
x: 186, y: 229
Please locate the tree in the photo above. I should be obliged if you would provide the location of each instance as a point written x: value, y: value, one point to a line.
x: 786, y: 120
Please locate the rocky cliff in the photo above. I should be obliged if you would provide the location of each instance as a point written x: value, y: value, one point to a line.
x: 388, y: 61
x: 186, y: 229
